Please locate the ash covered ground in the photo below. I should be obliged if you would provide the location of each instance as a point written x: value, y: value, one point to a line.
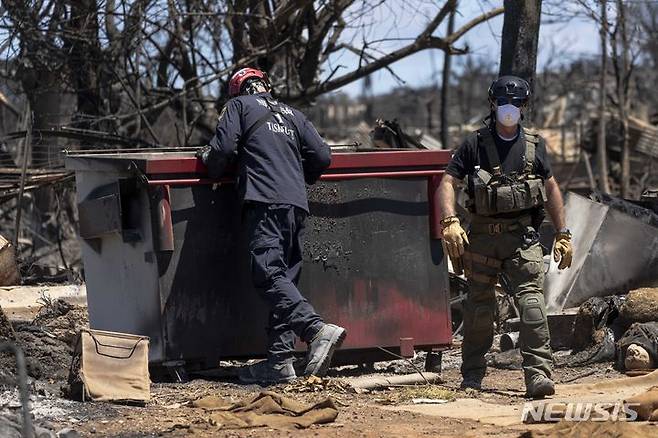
x: 48, y: 344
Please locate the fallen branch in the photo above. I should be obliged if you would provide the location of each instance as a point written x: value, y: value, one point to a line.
x: 405, y: 359
x: 386, y: 382
x: 579, y: 376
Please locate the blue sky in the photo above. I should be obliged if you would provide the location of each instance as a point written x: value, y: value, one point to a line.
x: 558, y: 42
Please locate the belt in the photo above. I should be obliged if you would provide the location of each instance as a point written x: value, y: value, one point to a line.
x: 493, y: 228
x: 482, y: 260
x: 490, y: 280
x: 480, y: 277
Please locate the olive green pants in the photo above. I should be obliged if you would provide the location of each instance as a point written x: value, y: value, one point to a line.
x: 501, y: 250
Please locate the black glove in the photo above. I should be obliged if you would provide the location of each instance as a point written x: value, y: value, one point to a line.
x: 202, y: 153
x: 312, y: 177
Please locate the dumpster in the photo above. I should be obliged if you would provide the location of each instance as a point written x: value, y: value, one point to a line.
x: 165, y: 256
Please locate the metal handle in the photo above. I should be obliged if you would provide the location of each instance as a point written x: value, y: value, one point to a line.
x: 120, y: 347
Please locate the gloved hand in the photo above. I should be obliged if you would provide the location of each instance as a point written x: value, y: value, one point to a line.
x: 454, y: 239
x: 562, y: 250
x: 202, y: 153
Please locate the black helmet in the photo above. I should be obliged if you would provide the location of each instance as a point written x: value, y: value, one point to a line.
x: 511, y: 87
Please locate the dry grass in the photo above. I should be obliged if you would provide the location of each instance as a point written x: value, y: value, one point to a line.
x: 401, y: 395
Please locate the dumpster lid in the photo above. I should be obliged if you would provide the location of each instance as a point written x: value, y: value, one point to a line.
x: 176, y: 161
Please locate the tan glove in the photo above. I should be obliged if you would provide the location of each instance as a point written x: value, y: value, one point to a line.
x: 454, y: 239
x: 562, y: 250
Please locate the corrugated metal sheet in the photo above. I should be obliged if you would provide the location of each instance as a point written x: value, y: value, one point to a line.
x: 645, y: 136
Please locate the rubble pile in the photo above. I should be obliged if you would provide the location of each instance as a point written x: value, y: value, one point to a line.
x: 641, y: 305
x: 622, y: 329
x: 596, y: 329
x: 47, y: 342
x: 619, y: 328
x: 11, y: 427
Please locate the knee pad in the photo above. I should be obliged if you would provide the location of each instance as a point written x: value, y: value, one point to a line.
x: 533, y: 310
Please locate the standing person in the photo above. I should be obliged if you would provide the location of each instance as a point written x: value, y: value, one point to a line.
x: 509, y: 184
x: 277, y: 151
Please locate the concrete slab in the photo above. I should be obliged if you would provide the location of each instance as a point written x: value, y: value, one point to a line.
x: 611, y: 391
x: 22, y: 303
x: 470, y: 409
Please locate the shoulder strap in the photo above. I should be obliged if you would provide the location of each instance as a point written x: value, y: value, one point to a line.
x: 483, y: 175
x: 484, y: 135
x: 531, y: 140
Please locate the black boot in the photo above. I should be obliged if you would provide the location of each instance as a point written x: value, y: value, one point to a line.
x: 267, y: 372
x: 472, y: 381
x: 539, y: 386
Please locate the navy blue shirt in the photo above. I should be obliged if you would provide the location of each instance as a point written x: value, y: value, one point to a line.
x: 278, y: 157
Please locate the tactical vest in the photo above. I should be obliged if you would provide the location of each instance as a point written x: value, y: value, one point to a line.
x: 495, y: 193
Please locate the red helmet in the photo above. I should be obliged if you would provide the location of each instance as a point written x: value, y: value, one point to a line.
x: 235, y: 84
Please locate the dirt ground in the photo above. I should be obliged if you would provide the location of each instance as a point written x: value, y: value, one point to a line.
x: 363, y: 415
x: 48, y: 340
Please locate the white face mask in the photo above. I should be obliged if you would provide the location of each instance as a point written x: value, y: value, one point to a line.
x: 508, y: 115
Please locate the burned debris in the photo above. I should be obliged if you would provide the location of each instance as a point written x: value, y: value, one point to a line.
x: 221, y: 218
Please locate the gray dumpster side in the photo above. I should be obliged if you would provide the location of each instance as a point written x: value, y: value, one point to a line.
x: 121, y: 278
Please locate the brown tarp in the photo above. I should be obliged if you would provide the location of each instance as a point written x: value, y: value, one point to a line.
x: 647, y: 405
x: 267, y: 409
x: 602, y: 429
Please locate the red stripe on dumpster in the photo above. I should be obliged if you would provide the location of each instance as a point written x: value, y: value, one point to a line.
x: 175, y: 165
x: 380, y: 313
x: 409, y: 158
x: 339, y: 161
x: 328, y: 177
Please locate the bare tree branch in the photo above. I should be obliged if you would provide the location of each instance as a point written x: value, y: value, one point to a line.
x: 424, y: 41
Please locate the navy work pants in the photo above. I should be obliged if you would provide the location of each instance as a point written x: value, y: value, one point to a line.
x: 275, y: 233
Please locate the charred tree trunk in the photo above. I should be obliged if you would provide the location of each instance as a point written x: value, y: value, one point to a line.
x: 84, y: 59
x: 518, y: 55
x: 619, y: 42
x: 445, y: 84
x: 602, y: 153
x: 624, y: 101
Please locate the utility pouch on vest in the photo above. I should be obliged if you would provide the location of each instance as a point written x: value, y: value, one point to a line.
x: 498, y: 193
x: 518, y: 196
x: 483, y: 194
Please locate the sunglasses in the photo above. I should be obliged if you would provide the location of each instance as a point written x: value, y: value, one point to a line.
x: 500, y: 101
